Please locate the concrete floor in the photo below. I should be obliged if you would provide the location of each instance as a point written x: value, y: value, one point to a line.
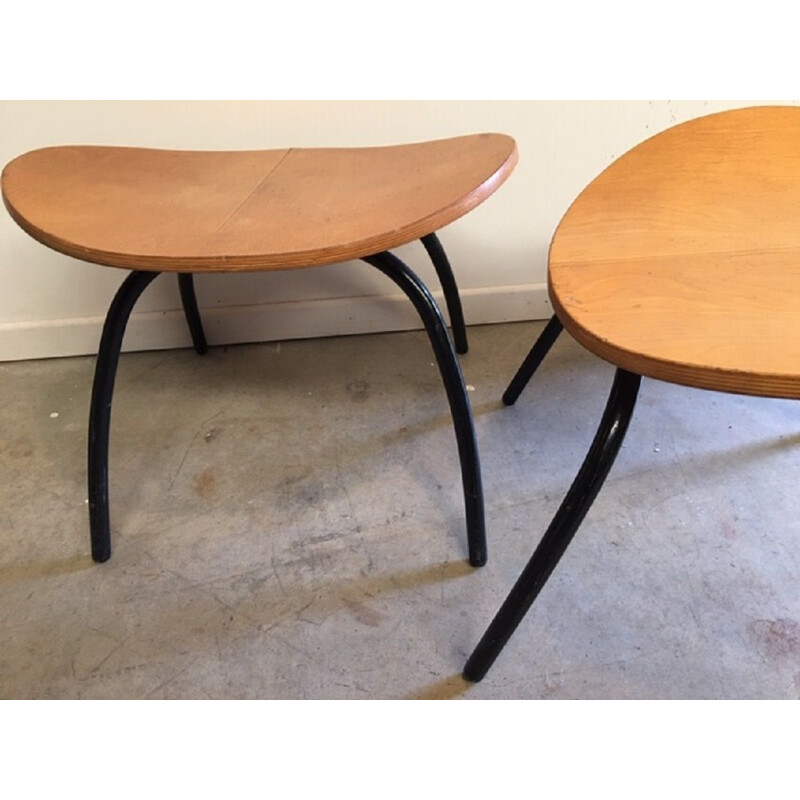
x: 288, y: 523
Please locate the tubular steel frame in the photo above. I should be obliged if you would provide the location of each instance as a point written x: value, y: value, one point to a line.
x: 448, y: 282
x: 565, y: 523
x: 189, y: 300
x: 111, y: 343
x: 100, y: 408
x: 531, y: 363
x: 453, y: 380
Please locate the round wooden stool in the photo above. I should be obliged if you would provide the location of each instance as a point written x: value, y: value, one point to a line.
x: 680, y: 262
x: 154, y: 211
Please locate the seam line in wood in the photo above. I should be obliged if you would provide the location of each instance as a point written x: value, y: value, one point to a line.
x: 250, y: 194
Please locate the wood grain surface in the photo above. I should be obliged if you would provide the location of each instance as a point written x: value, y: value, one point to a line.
x: 248, y: 210
x: 681, y: 261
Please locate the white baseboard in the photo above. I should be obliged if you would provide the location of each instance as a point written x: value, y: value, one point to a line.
x: 267, y: 322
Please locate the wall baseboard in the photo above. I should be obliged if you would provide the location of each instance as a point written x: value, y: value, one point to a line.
x: 267, y: 322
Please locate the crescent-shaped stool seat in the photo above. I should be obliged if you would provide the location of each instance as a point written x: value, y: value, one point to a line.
x: 186, y: 211
x: 153, y: 211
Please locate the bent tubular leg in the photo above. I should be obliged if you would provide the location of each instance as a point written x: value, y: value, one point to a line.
x: 453, y: 380
x: 531, y: 363
x: 568, y: 518
x: 100, y: 408
x: 189, y: 300
x: 450, y: 289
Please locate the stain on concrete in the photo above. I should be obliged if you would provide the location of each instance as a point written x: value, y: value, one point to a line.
x: 776, y: 638
x: 362, y: 614
x: 358, y: 391
x: 446, y: 689
x: 295, y: 475
x: 321, y: 539
x: 205, y: 484
x: 209, y: 436
x: 20, y: 447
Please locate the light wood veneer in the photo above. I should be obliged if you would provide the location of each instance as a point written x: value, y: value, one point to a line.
x: 171, y: 210
x: 681, y: 261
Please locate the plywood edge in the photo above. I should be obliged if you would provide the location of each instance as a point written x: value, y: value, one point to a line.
x: 699, y: 377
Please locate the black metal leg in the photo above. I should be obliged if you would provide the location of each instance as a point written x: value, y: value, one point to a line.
x: 450, y: 289
x: 100, y: 409
x: 189, y: 300
x: 568, y: 518
x: 453, y: 380
x: 531, y: 363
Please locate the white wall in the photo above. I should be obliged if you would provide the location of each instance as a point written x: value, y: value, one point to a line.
x: 53, y: 305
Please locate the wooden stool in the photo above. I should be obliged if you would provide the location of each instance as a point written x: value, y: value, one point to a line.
x: 680, y: 262
x: 154, y: 211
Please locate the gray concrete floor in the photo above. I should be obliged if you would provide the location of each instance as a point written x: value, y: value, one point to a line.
x: 288, y: 523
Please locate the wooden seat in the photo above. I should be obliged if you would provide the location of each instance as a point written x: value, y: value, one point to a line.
x: 171, y: 210
x: 681, y: 262
x: 154, y: 211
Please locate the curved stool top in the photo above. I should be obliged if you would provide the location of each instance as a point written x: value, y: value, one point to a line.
x: 681, y: 261
x: 173, y: 210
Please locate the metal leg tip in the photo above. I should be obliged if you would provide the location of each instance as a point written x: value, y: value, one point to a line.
x: 472, y: 675
x: 478, y: 560
x: 509, y: 399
